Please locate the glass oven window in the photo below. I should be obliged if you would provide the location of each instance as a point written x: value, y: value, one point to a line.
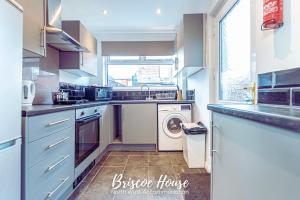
x: 87, y: 139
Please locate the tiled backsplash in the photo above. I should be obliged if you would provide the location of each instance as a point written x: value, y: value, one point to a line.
x: 280, y: 87
x: 45, y: 82
x: 129, y: 95
x: 142, y: 95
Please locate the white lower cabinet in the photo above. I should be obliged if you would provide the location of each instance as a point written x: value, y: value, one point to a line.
x: 139, y: 123
x: 48, y: 161
x: 253, y: 161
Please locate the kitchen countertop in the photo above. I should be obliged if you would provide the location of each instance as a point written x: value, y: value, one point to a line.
x: 34, y: 110
x: 282, y: 117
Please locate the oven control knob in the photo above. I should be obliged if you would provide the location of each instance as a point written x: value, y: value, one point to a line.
x: 82, y: 113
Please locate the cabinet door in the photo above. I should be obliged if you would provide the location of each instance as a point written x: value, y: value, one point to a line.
x: 104, y: 130
x: 88, y: 60
x: 34, y: 23
x: 139, y: 124
x: 253, y: 160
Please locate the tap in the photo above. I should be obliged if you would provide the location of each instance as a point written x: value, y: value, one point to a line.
x: 149, y: 96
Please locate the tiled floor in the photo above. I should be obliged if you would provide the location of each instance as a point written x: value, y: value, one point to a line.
x: 134, y: 165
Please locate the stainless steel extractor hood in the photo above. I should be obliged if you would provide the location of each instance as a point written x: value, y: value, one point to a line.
x: 55, y: 36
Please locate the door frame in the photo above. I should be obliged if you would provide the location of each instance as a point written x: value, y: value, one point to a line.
x: 218, y: 14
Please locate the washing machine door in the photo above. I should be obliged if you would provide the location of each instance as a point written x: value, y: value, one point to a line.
x: 171, y: 125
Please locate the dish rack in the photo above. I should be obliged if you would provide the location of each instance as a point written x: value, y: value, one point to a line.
x: 165, y: 96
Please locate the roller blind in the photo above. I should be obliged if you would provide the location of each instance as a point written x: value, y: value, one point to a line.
x: 147, y: 48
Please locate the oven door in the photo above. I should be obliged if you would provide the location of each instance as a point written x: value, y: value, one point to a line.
x: 87, y: 137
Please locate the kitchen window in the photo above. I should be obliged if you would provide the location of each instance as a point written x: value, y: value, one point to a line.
x: 133, y: 71
x: 235, y: 53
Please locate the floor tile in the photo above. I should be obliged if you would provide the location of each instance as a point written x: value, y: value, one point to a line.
x: 138, y: 160
x: 116, y: 161
x: 159, y: 160
x: 177, y: 160
x: 155, y: 172
x: 159, y: 153
x: 136, y: 172
x: 175, y: 152
x: 108, y: 173
x: 135, y: 165
x: 166, y: 197
x: 203, y: 170
x: 184, y: 169
x: 131, y: 197
x: 128, y: 153
x: 97, y: 191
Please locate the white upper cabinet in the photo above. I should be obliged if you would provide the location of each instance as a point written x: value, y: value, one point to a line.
x: 34, y: 35
x: 79, y: 63
x: 190, y: 44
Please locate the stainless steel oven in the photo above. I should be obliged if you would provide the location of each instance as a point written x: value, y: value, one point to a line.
x: 87, y: 136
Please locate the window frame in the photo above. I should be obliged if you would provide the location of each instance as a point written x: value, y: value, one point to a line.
x: 142, y: 61
x: 229, y: 5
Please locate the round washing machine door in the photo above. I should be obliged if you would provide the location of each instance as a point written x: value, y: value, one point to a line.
x: 171, y: 125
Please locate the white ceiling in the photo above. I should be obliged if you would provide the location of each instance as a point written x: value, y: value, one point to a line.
x: 131, y: 19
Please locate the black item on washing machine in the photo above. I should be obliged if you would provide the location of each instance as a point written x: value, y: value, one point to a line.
x: 194, y: 128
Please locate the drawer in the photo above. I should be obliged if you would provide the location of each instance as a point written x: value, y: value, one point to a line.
x: 44, y: 125
x: 50, y: 179
x: 50, y: 146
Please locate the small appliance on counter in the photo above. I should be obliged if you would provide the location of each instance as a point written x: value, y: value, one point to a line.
x: 28, y: 92
x: 98, y: 93
x: 69, y: 94
x: 166, y: 96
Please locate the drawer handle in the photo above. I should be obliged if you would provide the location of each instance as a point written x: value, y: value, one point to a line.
x: 51, y: 167
x: 57, y: 143
x: 58, y: 122
x: 50, y: 194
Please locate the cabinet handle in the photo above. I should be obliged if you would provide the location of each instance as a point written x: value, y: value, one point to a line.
x: 58, y: 122
x: 82, y: 59
x: 43, y: 41
x: 50, y: 194
x: 51, y: 167
x: 57, y: 143
x: 214, y: 151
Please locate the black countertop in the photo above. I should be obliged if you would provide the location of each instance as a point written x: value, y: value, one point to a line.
x: 34, y: 110
x: 282, y: 117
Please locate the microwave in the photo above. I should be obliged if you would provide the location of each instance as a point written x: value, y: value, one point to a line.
x: 95, y: 93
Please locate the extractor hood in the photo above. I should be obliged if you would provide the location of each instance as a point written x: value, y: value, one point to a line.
x: 55, y: 36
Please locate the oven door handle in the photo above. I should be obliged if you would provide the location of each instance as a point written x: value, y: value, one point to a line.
x: 89, y: 119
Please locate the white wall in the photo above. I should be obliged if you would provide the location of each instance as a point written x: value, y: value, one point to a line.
x: 204, y: 84
x: 278, y: 49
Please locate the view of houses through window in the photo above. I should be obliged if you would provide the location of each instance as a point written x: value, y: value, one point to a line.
x: 134, y: 71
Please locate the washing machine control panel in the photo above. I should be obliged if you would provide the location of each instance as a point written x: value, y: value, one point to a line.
x: 186, y: 107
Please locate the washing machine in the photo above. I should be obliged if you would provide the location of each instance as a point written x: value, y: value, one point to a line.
x: 170, y: 134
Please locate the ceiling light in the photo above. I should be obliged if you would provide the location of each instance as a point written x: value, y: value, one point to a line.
x: 158, y: 11
x: 105, y: 12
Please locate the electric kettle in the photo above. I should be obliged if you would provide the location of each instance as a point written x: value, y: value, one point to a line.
x: 28, y: 92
